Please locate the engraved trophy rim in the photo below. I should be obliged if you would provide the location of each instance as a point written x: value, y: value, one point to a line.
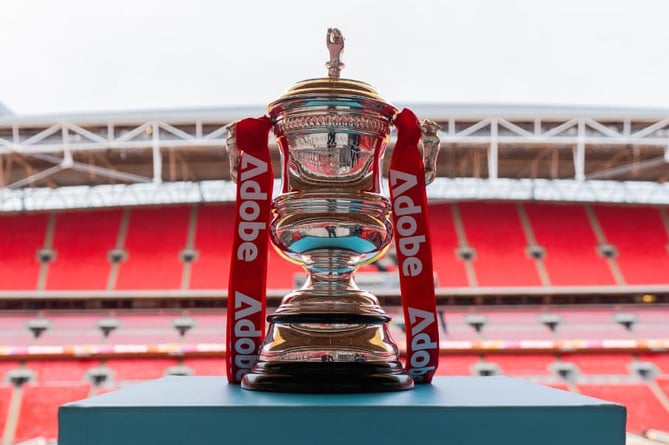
x: 325, y: 92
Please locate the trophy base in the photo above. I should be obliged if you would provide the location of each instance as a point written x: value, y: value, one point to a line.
x: 315, y: 377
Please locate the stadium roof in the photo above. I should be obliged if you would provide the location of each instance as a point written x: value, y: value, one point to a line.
x: 561, y: 152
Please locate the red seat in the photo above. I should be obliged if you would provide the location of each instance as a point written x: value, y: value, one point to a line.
x: 592, y: 331
x: 133, y: 369
x: 495, y: 232
x: 22, y: 237
x: 61, y: 370
x: 5, y: 398
x: 644, y: 410
x: 82, y: 241
x: 39, y: 409
x: 449, y: 268
x: 661, y: 360
x: 155, y: 239
x: 601, y: 363
x: 516, y: 324
x: 213, y: 241
x: 206, y: 365
x: 522, y: 364
x: 5, y: 366
x: 663, y: 383
x: 593, y: 315
x: 457, y: 364
x: 641, y: 240
x: 570, y: 244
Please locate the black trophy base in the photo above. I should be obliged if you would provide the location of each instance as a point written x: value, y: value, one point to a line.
x: 308, y: 377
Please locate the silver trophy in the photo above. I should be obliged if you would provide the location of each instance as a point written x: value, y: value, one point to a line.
x: 331, y: 217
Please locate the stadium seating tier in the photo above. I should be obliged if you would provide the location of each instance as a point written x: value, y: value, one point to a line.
x: 82, y: 241
x: 39, y: 409
x: 23, y: 235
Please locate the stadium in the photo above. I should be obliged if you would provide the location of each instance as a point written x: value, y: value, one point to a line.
x: 550, y: 235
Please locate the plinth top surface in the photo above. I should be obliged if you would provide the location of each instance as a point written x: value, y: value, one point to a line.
x: 444, y: 392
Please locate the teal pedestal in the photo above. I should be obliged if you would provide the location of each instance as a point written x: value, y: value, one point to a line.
x: 452, y: 410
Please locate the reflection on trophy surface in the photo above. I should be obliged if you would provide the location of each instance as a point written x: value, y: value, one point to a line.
x: 331, y: 217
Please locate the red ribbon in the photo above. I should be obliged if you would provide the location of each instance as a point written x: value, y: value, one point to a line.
x: 248, y: 271
x: 406, y: 178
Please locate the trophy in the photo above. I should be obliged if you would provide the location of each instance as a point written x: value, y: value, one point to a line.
x: 331, y: 216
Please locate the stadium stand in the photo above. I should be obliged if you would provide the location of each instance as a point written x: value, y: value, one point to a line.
x: 600, y: 363
x: 139, y: 369
x: 571, y: 294
x: 601, y: 372
x: 206, y: 366
x: 570, y: 244
x: 5, y: 399
x: 19, y: 265
x: 155, y: 240
x: 450, y: 269
x: 492, y: 231
x: 82, y: 242
x: 59, y: 370
x: 39, y: 407
x: 517, y: 324
x: 642, y: 258
x: 457, y: 364
x: 495, y: 233
x: 535, y: 364
x: 660, y: 359
x: 647, y: 412
x: 663, y: 383
x: 213, y: 241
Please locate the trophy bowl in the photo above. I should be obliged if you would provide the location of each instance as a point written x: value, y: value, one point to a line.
x: 331, y: 217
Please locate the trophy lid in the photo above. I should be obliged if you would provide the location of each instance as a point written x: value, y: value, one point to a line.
x: 329, y: 86
x: 332, y: 86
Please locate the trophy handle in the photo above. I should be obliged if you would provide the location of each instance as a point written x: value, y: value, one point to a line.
x: 233, y: 151
x: 430, y: 147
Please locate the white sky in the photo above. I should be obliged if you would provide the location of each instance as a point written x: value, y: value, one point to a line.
x: 69, y: 55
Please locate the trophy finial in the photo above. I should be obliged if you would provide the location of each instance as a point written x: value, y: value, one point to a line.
x: 335, y: 43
